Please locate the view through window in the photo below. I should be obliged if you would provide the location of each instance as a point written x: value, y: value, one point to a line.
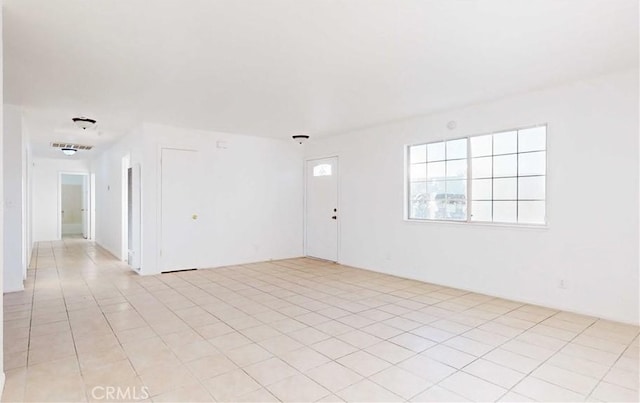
x: 504, y: 172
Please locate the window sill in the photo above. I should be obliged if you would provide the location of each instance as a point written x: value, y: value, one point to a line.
x: 481, y: 224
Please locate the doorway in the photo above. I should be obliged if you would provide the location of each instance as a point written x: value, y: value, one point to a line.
x: 180, y: 206
x: 321, y: 211
x: 74, y: 219
x: 134, y: 213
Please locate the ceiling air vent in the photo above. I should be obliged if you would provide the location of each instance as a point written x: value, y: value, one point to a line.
x: 71, y: 145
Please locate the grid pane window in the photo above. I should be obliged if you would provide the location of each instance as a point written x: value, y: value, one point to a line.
x: 518, y: 176
x: 438, y: 180
x: 506, y: 172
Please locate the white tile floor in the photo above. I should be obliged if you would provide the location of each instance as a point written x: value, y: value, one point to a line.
x: 294, y: 330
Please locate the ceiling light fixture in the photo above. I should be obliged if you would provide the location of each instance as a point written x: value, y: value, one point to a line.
x: 300, y: 138
x: 68, y: 151
x: 83, y: 122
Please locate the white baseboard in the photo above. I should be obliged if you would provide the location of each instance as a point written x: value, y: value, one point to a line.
x: 2, y: 379
x: 14, y: 290
x: 113, y: 253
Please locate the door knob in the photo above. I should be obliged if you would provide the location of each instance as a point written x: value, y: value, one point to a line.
x: 334, y: 217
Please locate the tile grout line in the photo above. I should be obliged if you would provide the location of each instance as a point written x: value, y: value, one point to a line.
x: 64, y: 299
x: 611, y: 367
x: 291, y: 291
x: 103, y: 315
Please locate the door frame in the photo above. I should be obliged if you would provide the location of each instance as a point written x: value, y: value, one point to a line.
x: 125, y: 164
x: 89, y: 213
x: 136, y: 220
x: 304, y: 206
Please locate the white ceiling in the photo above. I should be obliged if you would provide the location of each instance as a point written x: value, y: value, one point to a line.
x: 278, y: 67
x: 45, y: 126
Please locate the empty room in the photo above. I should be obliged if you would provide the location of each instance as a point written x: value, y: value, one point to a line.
x: 320, y: 200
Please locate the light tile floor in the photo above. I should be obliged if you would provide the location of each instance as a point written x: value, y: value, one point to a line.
x: 293, y: 330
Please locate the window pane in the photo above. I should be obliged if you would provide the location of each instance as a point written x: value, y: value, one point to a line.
x: 456, y: 209
x: 435, y: 152
x: 532, y: 163
x: 455, y: 205
x: 481, y: 211
x: 435, y: 170
x: 531, y: 212
x: 322, y: 170
x: 457, y: 189
x: 533, y: 139
x: 531, y: 187
x: 435, y: 188
x: 481, y: 190
x: 456, y: 149
x: 505, y: 143
x: 418, y: 154
x: 481, y: 167
x: 506, y: 165
x: 457, y: 169
x: 418, y: 172
x: 481, y: 146
x: 438, y: 198
x: 505, y: 189
x: 451, y: 205
x: 418, y: 200
x: 504, y: 211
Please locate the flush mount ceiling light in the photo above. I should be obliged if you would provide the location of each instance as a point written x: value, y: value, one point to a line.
x: 68, y: 151
x: 83, y: 122
x: 70, y: 148
x: 300, y: 138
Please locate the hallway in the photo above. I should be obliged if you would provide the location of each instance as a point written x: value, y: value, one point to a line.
x: 293, y: 330
x: 58, y: 321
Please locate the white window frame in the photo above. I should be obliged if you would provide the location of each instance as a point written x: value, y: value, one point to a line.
x: 469, y: 179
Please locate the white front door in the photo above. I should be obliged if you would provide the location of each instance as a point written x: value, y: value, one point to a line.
x: 180, y: 201
x: 322, y: 209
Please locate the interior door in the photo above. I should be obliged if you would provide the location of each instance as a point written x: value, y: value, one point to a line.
x: 180, y: 198
x: 322, y: 209
x: 71, y: 199
x: 85, y: 206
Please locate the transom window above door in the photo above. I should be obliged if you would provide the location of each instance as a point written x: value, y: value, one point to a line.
x: 322, y: 170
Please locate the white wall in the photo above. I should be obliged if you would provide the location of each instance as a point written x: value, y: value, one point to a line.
x: 592, y: 239
x: 14, y: 264
x: 45, y: 194
x: 252, y: 195
x: 107, y: 168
